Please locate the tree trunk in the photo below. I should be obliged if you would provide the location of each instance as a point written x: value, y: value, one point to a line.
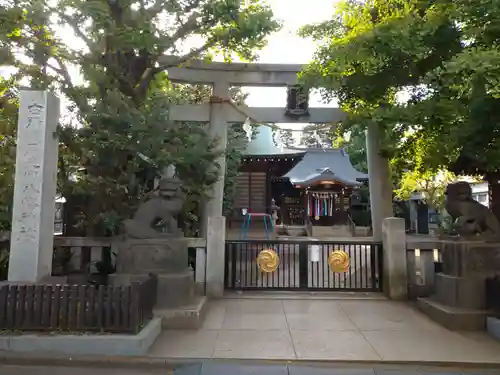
x: 493, y: 179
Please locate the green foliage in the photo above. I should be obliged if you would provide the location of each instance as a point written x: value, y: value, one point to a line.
x: 426, y: 72
x: 121, y: 100
x: 8, y: 124
x: 354, y: 144
x: 432, y: 185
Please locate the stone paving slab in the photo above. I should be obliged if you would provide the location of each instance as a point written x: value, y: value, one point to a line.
x: 51, y: 370
x: 324, y: 330
x: 240, y: 369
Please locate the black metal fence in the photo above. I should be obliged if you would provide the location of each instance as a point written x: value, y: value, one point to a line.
x: 303, y: 265
x: 78, y: 308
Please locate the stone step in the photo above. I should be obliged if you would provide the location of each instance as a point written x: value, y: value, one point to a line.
x: 453, y: 318
x: 188, y: 316
x: 334, y: 231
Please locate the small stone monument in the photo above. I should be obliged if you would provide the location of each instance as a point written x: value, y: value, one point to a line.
x: 470, y: 255
x: 31, y: 241
x: 155, y: 245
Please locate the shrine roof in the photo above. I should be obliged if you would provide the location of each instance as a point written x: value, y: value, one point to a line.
x: 325, y: 165
x: 263, y: 145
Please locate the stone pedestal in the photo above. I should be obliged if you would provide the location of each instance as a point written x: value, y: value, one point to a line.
x: 459, y: 301
x: 156, y: 255
x: 167, y: 258
x: 395, y: 276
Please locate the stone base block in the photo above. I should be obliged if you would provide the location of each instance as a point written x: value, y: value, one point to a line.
x: 158, y: 255
x: 188, y: 316
x: 470, y: 258
x: 493, y: 327
x: 455, y: 319
x: 363, y: 232
x: 296, y: 231
x: 199, y: 289
x: 110, y: 345
x: 173, y: 289
x: 461, y: 292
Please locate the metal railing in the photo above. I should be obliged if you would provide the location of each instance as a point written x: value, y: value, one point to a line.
x: 351, y: 225
x: 303, y: 265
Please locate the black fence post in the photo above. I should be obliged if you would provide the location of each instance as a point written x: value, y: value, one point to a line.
x: 375, y: 266
x: 233, y: 257
x: 380, y: 266
x: 303, y: 266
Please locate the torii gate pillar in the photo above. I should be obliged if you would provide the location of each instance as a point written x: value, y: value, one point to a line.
x: 379, y: 181
x: 213, y: 221
x: 218, y: 132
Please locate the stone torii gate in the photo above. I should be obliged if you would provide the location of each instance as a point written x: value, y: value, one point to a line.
x: 219, y: 114
x: 37, y: 147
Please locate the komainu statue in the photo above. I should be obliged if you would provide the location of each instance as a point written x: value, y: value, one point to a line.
x: 161, y: 206
x: 471, y: 218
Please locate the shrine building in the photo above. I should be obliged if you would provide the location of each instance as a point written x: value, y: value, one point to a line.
x: 312, y: 184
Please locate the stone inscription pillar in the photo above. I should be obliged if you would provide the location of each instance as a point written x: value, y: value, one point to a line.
x: 32, y: 235
x: 379, y: 181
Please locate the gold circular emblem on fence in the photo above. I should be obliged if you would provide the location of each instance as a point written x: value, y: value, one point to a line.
x: 268, y: 260
x: 339, y: 261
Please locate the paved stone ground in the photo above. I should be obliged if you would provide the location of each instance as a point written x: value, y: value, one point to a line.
x: 237, y: 369
x: 310, y: 329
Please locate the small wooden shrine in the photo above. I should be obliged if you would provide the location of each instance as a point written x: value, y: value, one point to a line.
x: 324, y: 180
x: 314, y: 183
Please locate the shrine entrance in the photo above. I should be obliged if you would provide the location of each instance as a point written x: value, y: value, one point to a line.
x: 287, y: 263
x: 303, y: 265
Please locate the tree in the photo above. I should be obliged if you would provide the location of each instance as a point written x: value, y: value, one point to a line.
x: 8, y: 124
x: 354, y: 144
x: 121, y: 99
x: 314, y: 136
x: 442, y: 56
x: 432, y: 185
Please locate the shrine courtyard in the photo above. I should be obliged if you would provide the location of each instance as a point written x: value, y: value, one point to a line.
x: 323, y: 327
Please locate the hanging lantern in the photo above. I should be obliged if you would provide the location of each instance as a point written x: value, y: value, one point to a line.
x: 297, y: 103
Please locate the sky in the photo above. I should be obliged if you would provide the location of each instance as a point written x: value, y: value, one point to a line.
x: 286, y: 47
